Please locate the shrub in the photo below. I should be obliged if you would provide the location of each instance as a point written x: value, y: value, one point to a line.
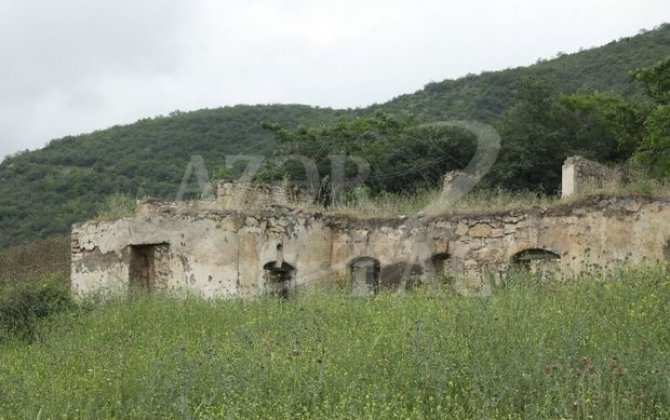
x: 22, y: 306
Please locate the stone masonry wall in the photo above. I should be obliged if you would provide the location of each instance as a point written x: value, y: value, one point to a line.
x: 583, y: 176
x: 222, y: 254
x: 246, y: 195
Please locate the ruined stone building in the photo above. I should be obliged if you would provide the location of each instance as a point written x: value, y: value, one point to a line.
x: 216, y: 252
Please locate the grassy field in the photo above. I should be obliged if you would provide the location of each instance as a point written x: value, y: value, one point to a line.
x: 588, y: 349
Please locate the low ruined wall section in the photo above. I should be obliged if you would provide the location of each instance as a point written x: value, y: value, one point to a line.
x: 226, y: 255
x: 581, y: 176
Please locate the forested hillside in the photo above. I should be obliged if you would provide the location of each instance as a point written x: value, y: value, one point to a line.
x: 485, y: 96
x: 43, y: 192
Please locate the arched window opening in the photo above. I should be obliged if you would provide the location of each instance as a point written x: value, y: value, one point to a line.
x: 535, y: 254
x: 536, y: 261
x: 279, y: 278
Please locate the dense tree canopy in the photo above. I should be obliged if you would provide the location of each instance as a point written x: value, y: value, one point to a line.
x: 654, y: 150
x: 381, y: 152
x: 535, y: 140
x: 541, y: 129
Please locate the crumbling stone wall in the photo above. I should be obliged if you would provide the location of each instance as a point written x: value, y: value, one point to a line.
x: 246, y: 195
x: 225, y: 254
x: 242, y: 247
x: 583, y: 176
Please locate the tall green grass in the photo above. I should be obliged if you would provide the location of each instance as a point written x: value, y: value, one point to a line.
x: 588, y: 349
x: 482, y: 201
x: 117, y: 206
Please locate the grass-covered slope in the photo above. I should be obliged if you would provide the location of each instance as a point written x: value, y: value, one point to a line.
x: 591, y: 349
x: 43, y: 192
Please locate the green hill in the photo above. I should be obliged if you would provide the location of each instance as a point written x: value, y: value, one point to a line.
x: 43, y: 192
x: 485, y: 96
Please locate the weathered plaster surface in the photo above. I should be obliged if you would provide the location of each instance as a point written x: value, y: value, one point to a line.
x: 221, y: 254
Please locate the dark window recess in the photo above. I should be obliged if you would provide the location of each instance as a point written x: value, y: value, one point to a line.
x: 439, y: 263
x: 535, y: 255
x: 149, y: 267
x: 536, y: 261
x: 364, y: 272
x: 279, y: 278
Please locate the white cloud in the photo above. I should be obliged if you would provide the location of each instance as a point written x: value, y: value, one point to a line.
x: 76, y: 65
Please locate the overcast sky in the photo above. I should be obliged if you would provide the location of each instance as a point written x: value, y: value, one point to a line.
x: 73, y: 66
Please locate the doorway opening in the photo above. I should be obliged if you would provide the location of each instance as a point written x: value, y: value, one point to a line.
x: 279, y: 279
x: 149, y: 267
x: 364, y: 272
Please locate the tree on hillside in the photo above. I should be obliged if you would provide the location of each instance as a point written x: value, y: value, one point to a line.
x: 654, y: 150
x: 397, y: 153
x: 606, y: 127
x: 656, y: 81
x: 535, y: 140
x: 541, y: 129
